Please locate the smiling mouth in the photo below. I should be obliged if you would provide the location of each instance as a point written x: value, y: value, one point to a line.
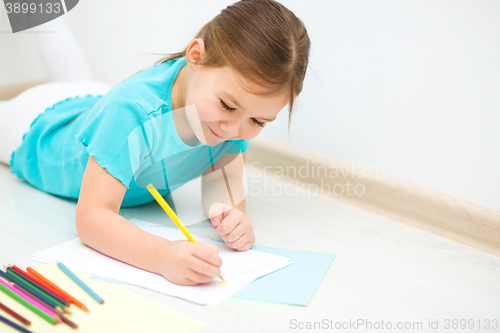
x: 214, y: 132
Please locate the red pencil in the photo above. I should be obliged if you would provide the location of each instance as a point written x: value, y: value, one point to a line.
x: 44, y: 279
x: 40, y: 282
x: 15, y: 314
x: 36, y: 298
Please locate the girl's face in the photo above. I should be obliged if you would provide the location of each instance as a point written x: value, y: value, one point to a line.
x: 224, y: 107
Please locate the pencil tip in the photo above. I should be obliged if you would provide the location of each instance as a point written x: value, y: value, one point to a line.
x: 102, y: 302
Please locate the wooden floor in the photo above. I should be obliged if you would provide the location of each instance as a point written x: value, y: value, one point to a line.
x: 384, y: 270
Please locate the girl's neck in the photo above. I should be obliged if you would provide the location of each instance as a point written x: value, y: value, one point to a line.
x: 178, y: 97
x: 178, y: 93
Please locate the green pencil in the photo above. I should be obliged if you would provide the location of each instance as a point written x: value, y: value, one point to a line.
x: 27, y: 304
x: 34, y: 290
x: 31, y: 282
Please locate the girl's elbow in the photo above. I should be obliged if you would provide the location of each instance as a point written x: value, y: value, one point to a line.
x: 82, y: 219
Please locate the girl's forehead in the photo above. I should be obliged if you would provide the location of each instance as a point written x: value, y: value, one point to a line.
x: 226, y: 75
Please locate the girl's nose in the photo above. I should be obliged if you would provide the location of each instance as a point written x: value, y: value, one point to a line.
x: 231, y: 128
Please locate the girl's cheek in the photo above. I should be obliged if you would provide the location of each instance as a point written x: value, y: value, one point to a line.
x: 212, y: 113
x: 202, y: 112
x: 250, y: 133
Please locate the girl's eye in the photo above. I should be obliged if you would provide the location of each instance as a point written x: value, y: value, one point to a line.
x: 230, y: 109
x: 261, y: 124
x: 225, y: 106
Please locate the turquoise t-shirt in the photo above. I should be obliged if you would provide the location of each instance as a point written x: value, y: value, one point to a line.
x: 129, y: 131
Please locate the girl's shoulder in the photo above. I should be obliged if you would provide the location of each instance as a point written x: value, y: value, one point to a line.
x: 149, y: 88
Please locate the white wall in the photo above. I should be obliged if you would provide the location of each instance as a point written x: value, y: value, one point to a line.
x: 409, y: 87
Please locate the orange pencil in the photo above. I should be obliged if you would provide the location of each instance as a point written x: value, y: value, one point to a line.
x: 40, y: 282
x: 47, y: 281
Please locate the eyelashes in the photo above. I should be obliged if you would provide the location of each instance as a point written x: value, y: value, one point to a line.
x: 225, y: 106
x: 230, y: 109
x: 259, y: 123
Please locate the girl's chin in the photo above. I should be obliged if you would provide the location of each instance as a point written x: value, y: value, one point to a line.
x: 205, y: 142
x: 211, y: 143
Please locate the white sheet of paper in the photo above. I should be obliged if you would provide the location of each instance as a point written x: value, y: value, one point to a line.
x: 238, y: 269
x: 188, y: 203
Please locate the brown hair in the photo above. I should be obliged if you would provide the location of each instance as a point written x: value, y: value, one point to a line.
x: 260, y: 39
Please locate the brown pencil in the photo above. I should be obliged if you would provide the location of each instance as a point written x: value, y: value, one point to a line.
x: 15, y: 314
x: 66, y: 320
x: 50, y: 283
x: 36, y: 298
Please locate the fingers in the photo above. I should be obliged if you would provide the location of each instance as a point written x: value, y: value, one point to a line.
x: 239, y: 243
x: 244, y: 247
x: 208, y: 253
x: 193, y: 278
x: 242, y: 243
x: 230, y: 222
x: 234, y: 234
x: 206, y: 261
x: 198, y: 277
x: 236, y: 231
x: 187, y: 263
x: 217, y: 212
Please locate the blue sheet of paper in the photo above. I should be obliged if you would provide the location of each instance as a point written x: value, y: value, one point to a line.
x: 294, y: 284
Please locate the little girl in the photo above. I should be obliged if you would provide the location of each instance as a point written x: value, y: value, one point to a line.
x: 191, y: 114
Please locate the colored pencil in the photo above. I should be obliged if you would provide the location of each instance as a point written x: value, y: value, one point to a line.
x: 14, y: 325
x: 10, y: 281
x: 27, y: 302
x: 79, y: 282
x: 172, y: 215
x: 66, y: 320
x: 16, y: 279
x: 37, y: 281
x: 15, y: 314
x: 42, y: 305
x: 39, y: 300
x: 18, y: 274
x: 53, y: 285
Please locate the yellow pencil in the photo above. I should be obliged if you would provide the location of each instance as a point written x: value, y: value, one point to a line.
x: 172, y: 215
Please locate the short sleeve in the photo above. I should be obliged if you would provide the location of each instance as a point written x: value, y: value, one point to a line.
x: 105, y: 135
x: 243, y: 145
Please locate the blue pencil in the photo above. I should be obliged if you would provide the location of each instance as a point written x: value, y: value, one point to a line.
x: 14, y: 325
x: 79, y: 282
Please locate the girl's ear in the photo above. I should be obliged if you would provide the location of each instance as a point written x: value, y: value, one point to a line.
x: 195, y: 52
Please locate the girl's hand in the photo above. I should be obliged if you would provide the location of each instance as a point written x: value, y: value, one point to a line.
x: 233, y: 226
x: 186, y: 263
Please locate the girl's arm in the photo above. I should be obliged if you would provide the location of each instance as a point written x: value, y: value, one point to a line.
x: 100, y: 227
x: 214, y: 187
x: 234, y: 227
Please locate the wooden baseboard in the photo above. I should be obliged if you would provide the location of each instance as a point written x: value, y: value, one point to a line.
x: 439, y: 213
x: 12, y: 90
